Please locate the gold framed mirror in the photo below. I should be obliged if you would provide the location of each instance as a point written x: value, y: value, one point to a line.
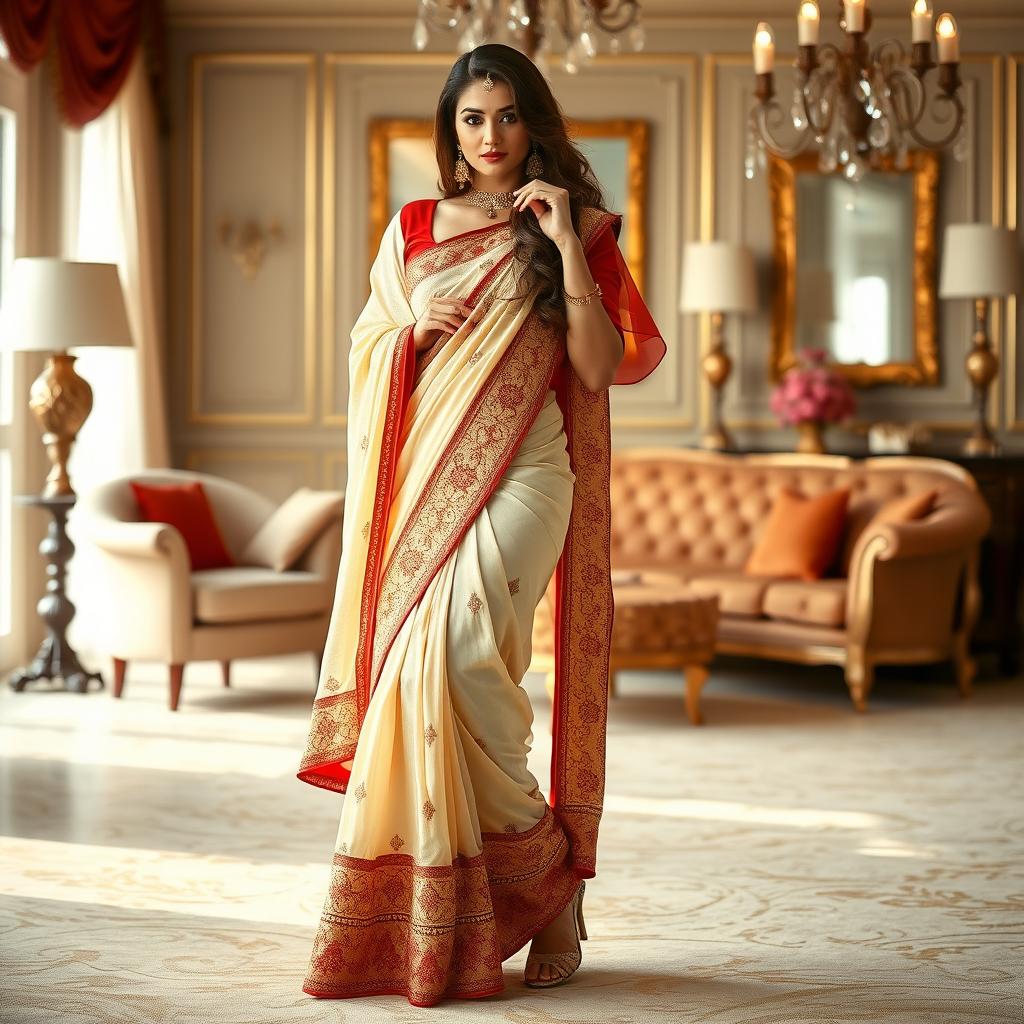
x: 402, y: 168
x: 855, y: 268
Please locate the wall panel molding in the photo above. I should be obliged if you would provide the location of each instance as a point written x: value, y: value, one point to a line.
x: 199, y: 373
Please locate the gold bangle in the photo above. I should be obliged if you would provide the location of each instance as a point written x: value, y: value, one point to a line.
x: 582, y: 300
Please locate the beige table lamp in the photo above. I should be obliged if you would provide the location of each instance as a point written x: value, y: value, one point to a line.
x: 53, y: 305
x: 979, y: 262
x: 718, y: 278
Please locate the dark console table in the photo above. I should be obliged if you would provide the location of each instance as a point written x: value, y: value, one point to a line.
x: 55, y: 657
x: 1001, y: 571
x: 1000, y: 480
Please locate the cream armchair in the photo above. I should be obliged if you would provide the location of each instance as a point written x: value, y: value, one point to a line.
x: 157, y: 609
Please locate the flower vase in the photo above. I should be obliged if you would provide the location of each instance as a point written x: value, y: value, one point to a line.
x: 811, y: 441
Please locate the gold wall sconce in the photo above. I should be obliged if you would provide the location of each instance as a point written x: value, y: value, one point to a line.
x: 248, y: 242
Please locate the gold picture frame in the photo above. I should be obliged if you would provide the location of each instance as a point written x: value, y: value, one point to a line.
x: 924, y: 368
x: 622, y: 144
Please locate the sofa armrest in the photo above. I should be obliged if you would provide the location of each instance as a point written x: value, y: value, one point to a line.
x: 140, y: 540
x: 955, y: 527
x: 906, y: 578
x: 144, y: 584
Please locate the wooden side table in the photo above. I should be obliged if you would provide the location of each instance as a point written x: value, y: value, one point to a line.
x: 55, y: 656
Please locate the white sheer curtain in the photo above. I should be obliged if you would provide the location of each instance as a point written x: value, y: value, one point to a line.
x: 113, y: 211
x: 113, y: 214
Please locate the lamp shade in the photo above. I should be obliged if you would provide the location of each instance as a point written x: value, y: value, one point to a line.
x: 978, y: 261
x: 56, y: 304
x: 718, y: 277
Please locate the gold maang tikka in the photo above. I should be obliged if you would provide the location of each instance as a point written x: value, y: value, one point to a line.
x: 488, y: 83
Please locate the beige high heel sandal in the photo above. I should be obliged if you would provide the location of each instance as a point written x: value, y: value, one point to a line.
x: 568, y: 961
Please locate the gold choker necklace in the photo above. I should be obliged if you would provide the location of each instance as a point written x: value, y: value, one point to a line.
x: 490, y: 201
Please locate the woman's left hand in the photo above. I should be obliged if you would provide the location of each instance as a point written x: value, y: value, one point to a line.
x: 550, y: 204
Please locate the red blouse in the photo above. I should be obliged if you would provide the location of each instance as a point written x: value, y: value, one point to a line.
x: 641, y: 339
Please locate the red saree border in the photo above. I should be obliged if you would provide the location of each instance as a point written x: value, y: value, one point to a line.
x: 429, y: 932
x: 453, y: 251
x: 403, y: 369
x: 424, y: 359
x: 584, y: 607
x: 335, y: 724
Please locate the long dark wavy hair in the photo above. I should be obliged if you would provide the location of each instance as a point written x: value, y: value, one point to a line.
x: 564, y: 164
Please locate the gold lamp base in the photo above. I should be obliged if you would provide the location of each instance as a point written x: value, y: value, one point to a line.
x: 61, y: 402
x: 717, y: 366
x: 982, y: 366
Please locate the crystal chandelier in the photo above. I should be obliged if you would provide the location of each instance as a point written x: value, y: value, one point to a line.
x: 858, y: 104
x: 529, y: 25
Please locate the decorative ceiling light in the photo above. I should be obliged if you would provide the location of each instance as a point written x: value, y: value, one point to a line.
x: 529, y: 25
x: 859, y: 105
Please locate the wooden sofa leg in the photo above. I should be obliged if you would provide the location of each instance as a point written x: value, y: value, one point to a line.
x: 860, y: 677
x: 965, y: 666
x: 696, y: 677
x: 225, y: 671
x: 120, y: 666
x: 177, y: 674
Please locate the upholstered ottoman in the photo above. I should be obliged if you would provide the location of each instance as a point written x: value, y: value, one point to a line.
x: 657, y: 624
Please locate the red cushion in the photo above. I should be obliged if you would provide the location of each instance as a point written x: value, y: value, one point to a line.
x: 186, y: 508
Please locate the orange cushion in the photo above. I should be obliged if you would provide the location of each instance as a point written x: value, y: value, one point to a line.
x: 801, y: 536
x: 186, y: 508
x: 905, y: 510
x: 898, y: 510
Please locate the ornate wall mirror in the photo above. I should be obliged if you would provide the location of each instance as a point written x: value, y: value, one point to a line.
x: 855, y: 268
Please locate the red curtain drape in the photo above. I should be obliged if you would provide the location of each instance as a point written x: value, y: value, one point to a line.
x: 93, y: 43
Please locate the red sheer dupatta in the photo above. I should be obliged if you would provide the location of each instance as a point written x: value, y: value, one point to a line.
x: 643, y: 344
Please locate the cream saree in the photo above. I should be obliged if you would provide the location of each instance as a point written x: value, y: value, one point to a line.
x: 470, y: 483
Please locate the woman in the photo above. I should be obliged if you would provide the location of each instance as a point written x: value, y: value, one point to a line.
x: 478, y: 461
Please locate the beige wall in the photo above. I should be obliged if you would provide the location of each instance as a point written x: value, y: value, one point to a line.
x: 258, y: 367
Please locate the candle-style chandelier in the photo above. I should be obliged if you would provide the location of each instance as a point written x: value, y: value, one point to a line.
x: 530, y: 25
x: 858, y: 104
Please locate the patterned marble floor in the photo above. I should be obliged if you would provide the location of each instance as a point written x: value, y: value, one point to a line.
x: 790, y: 861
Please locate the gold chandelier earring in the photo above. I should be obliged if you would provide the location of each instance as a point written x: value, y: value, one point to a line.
x: 461, y: 169
x: 534, y: 166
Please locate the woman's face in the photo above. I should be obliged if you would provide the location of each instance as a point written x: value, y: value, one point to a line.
x: 485, y: 122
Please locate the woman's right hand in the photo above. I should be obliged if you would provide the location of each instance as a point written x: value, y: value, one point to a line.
x: 442, y: 316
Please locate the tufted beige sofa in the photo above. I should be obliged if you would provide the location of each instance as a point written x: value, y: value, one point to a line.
x: 155, y: 608
x: 911, y: 593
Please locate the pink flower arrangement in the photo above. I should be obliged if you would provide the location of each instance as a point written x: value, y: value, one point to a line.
x: 812, y: 391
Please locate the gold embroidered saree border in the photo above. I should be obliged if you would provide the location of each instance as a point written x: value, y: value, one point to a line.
x: 453, y: 251
x: 424, y: 359
x: 583, y: 622
x: 584, y: 607
x: 430, y: 932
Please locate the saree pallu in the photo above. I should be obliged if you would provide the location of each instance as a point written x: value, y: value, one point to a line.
x: 470, y: 482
